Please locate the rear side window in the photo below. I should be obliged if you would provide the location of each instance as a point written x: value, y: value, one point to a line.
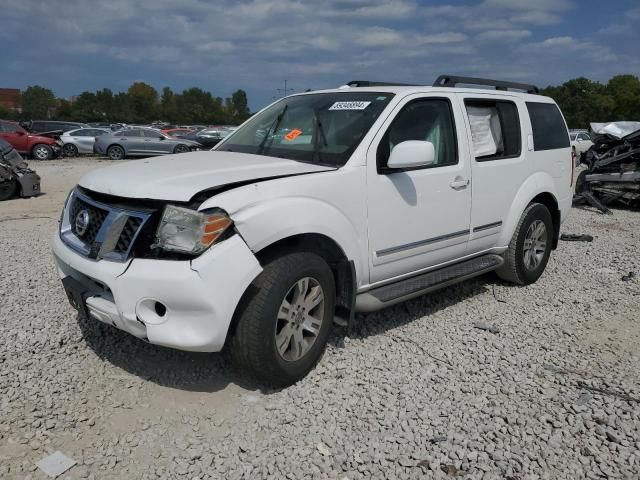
x: 495, y: 129
x: 549, y: 129
x: 131, y: 133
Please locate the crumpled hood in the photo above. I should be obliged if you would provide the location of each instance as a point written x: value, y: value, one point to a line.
x: 180, y: 177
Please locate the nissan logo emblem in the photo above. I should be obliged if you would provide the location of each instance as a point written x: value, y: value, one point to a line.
x: 82, y: 222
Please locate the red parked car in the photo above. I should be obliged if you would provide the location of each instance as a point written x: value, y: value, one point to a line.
x: 177, y: 132
x: 38, y: 147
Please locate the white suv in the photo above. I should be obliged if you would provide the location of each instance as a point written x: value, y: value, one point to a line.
x: 321, y: 205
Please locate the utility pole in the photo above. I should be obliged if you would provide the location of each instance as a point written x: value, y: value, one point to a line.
x: 283, y: 92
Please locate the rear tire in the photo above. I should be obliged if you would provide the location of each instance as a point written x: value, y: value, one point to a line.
x: 8, y: 189
x: 115, y: 152
x: 274, y: 341
x: 530, y: 247
x: 41, y: 152
x: 69, y: 150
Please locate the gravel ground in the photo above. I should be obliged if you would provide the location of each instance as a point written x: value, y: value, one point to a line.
x: 414, y: 391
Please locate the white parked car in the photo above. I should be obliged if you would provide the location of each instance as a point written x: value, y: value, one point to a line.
x: 580, y: 142
x: 80, y: 140
x: 321, y: 205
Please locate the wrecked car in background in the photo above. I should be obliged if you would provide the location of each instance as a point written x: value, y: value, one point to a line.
x: 16, y: 178
x: 613, y: 166
x: 38, y: 146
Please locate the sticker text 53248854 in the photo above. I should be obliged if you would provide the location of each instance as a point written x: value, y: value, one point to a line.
x: 355, y: 105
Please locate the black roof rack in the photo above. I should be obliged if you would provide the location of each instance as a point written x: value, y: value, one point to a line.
x: 367, y: 83
x: 453, y: 81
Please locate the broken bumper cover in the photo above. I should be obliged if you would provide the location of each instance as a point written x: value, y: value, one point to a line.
x: 187, y: 305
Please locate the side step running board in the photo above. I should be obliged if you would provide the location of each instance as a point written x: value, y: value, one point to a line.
x: 406, y: 289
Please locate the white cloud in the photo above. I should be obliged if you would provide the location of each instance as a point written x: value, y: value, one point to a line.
x: 502, y: 35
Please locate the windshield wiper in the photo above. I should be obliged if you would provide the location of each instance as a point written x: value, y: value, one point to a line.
x: 273, y: 128
x: 319, y: 132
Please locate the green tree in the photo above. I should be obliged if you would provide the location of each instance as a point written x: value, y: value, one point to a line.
x: 143, y: 102
x: 625, y: 92
x: 239, y: 106
x: 37, y: 102
x: 168, y: 105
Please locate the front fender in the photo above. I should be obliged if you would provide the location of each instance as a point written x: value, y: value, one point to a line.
x: 539, y: 182
x: 267, y: 222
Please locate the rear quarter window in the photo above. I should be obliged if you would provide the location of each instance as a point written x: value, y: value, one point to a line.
x: 549, y: 129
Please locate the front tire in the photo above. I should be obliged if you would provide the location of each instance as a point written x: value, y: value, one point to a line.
x: 41, y: 152
x: 181, y: 149
x: 530, y: 247
x: 284, y: 320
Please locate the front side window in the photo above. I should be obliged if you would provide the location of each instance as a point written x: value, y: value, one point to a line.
x: 323, y: 128
x: 549, y: 129
x: 428, y: 120
x: 584, y: 137
x: 495, y: 129
x: 152, y: 134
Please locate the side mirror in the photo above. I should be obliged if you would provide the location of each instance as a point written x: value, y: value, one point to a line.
x: 20, y: 132
x: 160, y: 137
x: 412, y: 153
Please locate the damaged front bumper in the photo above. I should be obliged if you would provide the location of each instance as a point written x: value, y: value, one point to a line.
x: 186, y: 304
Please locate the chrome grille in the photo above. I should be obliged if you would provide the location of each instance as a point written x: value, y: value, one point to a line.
x: 100, y: 231
x: 96, y: 219
x: 128, y: 234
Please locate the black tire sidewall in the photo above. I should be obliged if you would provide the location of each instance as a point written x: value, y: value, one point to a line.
x: 72, y: 148
x: 113, y: 147
x: 306, y: 265
x: 537, y: 212
x: 181, y: 149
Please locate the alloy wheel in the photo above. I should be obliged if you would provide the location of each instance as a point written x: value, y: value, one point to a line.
x: 535, y: 245
x: 299, y: 319
x: 41, y: 153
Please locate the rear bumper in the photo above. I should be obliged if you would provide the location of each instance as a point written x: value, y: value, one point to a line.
x: 564, y: 205
x: 199, y: 296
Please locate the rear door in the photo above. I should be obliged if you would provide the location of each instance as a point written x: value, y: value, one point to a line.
x: 499, y: 162
x: 418, y: 218
x: 132, y: 141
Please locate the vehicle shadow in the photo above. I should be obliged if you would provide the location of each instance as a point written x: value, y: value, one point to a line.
x: 189, y: 371
x: 401, y: 314
x: 210, y: 372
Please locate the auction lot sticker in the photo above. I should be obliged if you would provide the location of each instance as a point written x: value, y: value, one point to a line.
x: 349, y: 105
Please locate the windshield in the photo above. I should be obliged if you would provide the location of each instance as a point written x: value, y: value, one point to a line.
x: 320, y: 128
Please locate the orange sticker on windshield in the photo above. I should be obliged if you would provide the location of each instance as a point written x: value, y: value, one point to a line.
x: 293, y: 134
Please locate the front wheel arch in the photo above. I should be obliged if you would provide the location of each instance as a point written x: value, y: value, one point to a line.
x: 342, y: 267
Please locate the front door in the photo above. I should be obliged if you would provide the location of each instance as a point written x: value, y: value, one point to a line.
x: 419, y: 217
x: 15, y: 135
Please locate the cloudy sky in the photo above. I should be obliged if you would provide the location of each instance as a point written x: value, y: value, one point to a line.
x: 221, y: 45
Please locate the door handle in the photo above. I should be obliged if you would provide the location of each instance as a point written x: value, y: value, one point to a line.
x: 459, y: 184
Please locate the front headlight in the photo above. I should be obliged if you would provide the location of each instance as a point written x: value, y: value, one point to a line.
x: 188, y: 231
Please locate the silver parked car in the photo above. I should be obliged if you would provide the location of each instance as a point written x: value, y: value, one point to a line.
x: 141, y: 142
x: 80, y: 140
